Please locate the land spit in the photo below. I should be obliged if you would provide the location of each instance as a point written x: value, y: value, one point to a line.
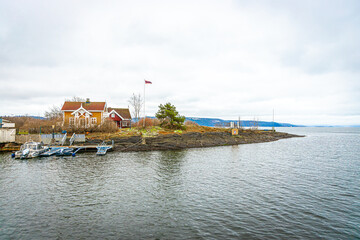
x: 192, y: 140
x: 180, y: 141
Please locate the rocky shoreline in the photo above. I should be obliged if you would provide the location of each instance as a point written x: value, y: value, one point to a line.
x: 193, y: 140
x: 181, y: 141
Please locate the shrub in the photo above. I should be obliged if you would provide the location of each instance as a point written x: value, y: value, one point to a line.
x: 191, y: 123
x: 149, y: 122
x: 108, y: 126
x: 33, y: 125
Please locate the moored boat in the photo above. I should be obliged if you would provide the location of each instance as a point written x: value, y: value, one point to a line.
x: 31, y: 150
x: 103, y: 148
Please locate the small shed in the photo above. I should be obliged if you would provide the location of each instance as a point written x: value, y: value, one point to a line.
x: 7, y: 131
x: 6, y: 124
x: 121, y: 116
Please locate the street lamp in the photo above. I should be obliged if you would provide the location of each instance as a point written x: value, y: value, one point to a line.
x: 53, y: 133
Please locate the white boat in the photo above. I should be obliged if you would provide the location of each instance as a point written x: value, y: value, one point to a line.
x: 103, y: 148
x: 31, y: 150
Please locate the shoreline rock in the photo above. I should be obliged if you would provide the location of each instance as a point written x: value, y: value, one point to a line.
x: 195, y: 140
x: 181, y: 141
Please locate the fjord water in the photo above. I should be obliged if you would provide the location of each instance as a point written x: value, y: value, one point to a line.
x: 298, y: 188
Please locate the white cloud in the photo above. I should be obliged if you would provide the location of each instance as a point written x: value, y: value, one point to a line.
x: 209, y: 58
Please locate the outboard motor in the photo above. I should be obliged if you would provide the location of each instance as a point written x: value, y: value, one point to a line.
x: 25, y: 153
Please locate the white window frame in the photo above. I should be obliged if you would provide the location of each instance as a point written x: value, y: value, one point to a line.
x: 94, y: 120
x: 71, y: 121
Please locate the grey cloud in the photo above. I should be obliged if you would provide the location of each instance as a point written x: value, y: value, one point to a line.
x: 209, y: 58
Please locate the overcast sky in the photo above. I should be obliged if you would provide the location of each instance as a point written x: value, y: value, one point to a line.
x: 220, y: 59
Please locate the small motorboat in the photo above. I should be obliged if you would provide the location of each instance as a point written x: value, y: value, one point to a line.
x: 103, y: 148
x: 31, y: 150
x: 60, y: 151
x: 64, y: 152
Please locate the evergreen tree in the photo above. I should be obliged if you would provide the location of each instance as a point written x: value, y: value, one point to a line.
x: 169, y: 117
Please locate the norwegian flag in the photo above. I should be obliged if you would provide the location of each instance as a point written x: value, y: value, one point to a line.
x: 147, y: 82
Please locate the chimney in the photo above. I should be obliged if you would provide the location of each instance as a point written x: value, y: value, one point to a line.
x: 87, y: 100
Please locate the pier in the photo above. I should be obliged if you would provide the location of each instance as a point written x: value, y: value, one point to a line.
x: 83, y: 147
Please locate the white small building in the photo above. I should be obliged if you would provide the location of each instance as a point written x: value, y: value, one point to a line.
x: 6, y: 124
x: 7, y: 131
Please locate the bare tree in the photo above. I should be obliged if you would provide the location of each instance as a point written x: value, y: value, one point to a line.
x: 53, y: 112
x: 136, y: 103
x: 75, y: 99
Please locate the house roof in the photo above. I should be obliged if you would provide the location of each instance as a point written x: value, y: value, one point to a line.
x: 123, y: 112
x: 92, y: 106
x: 79, y: 109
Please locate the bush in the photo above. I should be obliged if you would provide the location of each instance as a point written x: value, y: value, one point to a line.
x: 149, y: 122
x: 108, y: 126
x: 33, y: 125
x: 191, y: 123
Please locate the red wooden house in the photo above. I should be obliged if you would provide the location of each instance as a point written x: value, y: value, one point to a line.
x: 121, y: 116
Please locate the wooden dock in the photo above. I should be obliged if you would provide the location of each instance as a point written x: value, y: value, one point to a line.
x: 84, y: 148
x: 9, y: 147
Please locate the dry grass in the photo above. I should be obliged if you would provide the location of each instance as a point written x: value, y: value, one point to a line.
x: 108, y: 126
x: 149, y: 122
x: 190, y: 123
x: 152, y: 131
x: 124, y: 132
x: 203, y: 129
x: 32, y: 125
x: 108, y: 129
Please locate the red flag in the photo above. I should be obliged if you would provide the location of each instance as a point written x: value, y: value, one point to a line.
x: 147, y: 82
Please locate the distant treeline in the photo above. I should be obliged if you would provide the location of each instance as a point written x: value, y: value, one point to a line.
x: 216, y: 122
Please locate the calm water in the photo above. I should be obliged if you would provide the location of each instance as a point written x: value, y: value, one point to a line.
x: 299, y: 188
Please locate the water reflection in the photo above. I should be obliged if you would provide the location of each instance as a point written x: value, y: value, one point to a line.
x: 235, y: 152
x: 170, y: 162
x: 169, y: 188
x: 258, y: 191
x: 168, y: 168
x: 85, y: 169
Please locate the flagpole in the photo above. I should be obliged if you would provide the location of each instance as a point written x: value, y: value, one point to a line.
x: 144, y: 105
x: 273, y: 127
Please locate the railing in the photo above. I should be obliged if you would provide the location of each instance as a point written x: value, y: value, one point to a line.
x: 72, y: 139
x: 50, y: 136
x: 63, y: 139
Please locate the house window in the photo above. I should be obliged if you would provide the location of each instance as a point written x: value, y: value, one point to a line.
x: 71, y: 121
x: 113, y: 115
x: 124, y: 123
x: 93, y: 120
